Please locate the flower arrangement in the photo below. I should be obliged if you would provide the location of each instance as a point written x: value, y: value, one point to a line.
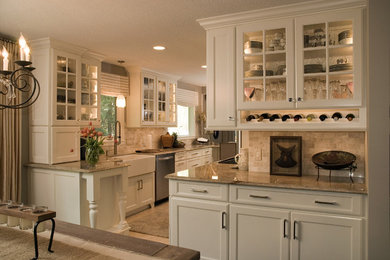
x: 93, y: 145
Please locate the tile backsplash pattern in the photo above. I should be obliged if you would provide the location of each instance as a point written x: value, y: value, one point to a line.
x: 312, y: 142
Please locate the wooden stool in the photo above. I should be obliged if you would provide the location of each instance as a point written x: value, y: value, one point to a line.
x: 36, y: 217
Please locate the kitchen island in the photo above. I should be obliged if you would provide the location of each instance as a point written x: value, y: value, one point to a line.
x: 89, y: 196
x: 252, y: 215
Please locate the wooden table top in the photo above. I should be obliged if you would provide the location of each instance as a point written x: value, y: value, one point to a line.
x: 28, y: 214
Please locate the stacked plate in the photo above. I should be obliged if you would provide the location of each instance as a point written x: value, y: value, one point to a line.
x: 252, y: 47
x: 339, y: 67
x: 258, y: 73
x: 313, y: 68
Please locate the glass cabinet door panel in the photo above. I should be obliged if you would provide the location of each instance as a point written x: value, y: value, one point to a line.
x: 94, y: 86
x: 253, y: 42
x: 314, y: 61
x: 71, y: 65
x: 71, y: 113
x: 71, y: 97
x: 61, y: 112
x: 253, y: 90
x: 93, y: 114
x: 61, y: 80
x: 84, y: 85
x: 275, y: 40
x: 275, y: 89
x: 315, y: 88
x: 84, y: 70
x: 94, y: 100
x: 61, y: 95
x: 340, y: 33
x: 92, y: 72
x: 84, y: 113
x: 72, y: 81
x: 84, y: 99
x: 341, y: 86
x: 61, y: 63
x: 253, y: 66
x: 314, y: 35
x: 340, y: 59
x: 275, y: 64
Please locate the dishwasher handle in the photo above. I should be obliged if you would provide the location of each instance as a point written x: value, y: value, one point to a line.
x: 166, y: 158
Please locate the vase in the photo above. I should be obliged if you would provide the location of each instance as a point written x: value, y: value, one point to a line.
x: 91, y: 156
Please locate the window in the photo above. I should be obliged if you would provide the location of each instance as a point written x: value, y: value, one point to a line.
x: 185, y: 121
x: 107, y: 115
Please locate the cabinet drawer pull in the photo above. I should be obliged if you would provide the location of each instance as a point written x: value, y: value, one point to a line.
x: 223, y: 220
x: 325, y: 202
x: 295, y: 230
x: 194, y: 165
x: 231, y: 118
x: 258, y: 196
x: 284, y: 228
x: 200, y: 191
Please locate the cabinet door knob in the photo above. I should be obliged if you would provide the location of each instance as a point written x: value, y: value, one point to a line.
x: 300, y: 99
x: 71, y: 150
x: 231, y: 118
x: 291, y: 99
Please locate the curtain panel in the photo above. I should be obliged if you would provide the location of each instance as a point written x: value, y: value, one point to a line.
x: 10, y: 137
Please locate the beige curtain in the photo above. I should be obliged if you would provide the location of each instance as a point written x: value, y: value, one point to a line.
x: 10, y: 136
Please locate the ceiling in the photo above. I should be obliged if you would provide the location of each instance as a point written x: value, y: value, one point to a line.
x: 128, y: 29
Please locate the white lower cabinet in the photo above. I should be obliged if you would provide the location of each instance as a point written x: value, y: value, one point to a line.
x: 266, y: 223
x: 258, y: 233
x: 323, y: 237
x: 200, y: 225
x: 140, y: 191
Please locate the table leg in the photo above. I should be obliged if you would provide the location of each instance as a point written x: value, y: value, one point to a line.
x: 36, y: 238
x: 93, y: 213
x: 53, y: 226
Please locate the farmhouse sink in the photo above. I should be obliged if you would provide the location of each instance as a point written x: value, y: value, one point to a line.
x: 139, y: 163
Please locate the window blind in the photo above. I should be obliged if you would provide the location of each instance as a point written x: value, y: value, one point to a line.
x: 187, y: 98
x: 114, y: 85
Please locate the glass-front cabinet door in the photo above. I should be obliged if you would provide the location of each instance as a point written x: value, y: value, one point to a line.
x: 65, y: 81
x: 329, y: 59
x: 89, y: 111
x: 172, y: 103
x: 148, y: 99
x: 265, y: 65
x: 162, y: 101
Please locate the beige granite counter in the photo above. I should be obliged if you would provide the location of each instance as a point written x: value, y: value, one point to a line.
x: 190, y: 148
x: 80, y: 166
x: 223, y: 173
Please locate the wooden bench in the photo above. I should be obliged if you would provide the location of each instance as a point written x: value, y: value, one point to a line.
x: 25, y: 213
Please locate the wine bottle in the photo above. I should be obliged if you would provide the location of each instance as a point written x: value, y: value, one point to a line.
x: 323, y: 117
x: 285, y: 117
x: 263, y: 116
x: 310, y: 117
x: 336, y: 116
x: 350, y: 117
x: 274, y: 116
x: 250, y: 117
x: 297, y: 117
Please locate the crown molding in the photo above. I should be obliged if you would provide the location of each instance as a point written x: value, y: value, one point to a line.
x: 285, y: 11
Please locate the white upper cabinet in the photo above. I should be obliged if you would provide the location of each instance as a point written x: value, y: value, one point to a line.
x: 329, y: 59
x: 152, y: 100
x: 221, y: 105
x: 265, y: 65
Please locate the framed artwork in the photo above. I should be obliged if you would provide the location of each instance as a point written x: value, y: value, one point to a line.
x: 286, y: 155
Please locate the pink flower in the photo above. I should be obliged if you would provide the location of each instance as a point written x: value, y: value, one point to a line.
x: 100, y: 134
x: 90, y: 123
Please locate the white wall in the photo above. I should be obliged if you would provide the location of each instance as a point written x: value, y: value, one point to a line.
x: 378, y: 130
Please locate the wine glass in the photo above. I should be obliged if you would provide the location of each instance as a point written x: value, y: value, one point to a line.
x: 249, y: 92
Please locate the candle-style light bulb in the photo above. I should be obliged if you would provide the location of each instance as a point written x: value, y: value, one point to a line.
x: 27, y: 52
x: 4, y: 52
x: 22, y: 44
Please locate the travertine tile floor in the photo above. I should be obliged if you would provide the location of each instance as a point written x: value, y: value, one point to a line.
x: 151, y: 218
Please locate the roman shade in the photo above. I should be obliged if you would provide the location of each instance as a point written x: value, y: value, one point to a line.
x: 187, y: 98
x: 114, y: 85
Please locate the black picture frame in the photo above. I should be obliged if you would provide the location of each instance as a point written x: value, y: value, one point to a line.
x: 286, y: 155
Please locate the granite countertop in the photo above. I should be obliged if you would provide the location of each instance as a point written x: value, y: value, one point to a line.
x: 189, y: 148
x: 81, y: 166
x: 223, y: 173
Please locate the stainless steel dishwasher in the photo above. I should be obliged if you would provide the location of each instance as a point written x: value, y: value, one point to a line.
x: 165, y: 164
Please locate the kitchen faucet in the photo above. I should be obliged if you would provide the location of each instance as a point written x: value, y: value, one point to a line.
x: 117, y: 138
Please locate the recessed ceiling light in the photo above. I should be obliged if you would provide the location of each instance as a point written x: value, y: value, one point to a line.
x: 159, y: 48
x: 204, y: 66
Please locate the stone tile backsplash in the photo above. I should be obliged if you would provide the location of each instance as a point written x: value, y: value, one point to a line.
x: 312, y: 142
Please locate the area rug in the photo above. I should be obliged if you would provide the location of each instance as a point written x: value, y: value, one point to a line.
x: 153, y: 221
x: 17, y: 244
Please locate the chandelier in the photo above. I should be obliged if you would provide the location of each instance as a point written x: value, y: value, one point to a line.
x: 20, y: 82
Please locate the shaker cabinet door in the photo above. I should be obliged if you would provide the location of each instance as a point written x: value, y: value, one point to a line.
x: 221, y: 104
